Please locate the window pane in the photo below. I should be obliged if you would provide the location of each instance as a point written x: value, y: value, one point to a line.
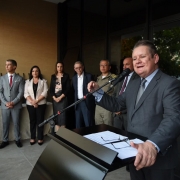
x: 168, y: 44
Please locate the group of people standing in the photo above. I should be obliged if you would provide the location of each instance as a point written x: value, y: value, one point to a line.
x: 34, y: 90
x: 146, y: 103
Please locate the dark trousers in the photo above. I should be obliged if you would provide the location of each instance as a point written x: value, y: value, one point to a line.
x: 83, y: 115
x: 151, y: 174
x: 36, y: 116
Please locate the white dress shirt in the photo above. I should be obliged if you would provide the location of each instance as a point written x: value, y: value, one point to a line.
x: 80, y: 85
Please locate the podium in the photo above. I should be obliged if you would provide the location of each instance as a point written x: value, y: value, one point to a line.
x: 70, y: 156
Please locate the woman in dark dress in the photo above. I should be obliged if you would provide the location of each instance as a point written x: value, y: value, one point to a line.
x: 59, y: 88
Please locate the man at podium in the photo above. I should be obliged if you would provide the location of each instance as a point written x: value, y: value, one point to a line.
x: 153, y: 111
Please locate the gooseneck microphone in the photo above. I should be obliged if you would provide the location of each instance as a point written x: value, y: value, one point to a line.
x: 125, y: 73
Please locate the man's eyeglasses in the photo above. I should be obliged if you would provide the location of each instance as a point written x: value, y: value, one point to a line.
x: 116, y: 142
x: 78, y: 68
x: 121, y: 144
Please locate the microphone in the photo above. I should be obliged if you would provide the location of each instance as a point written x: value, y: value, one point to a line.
x: 125, y: 73
x: 115, y: 81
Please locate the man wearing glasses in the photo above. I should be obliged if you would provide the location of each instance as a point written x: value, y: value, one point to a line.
x: 84, y: 111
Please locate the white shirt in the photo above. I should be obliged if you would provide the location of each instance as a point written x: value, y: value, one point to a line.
x: 80, y: 85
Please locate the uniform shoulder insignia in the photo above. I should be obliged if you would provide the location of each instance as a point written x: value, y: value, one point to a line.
x: 113, y: 76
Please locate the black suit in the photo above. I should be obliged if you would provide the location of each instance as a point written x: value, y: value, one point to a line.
x: 120, y: 121
x: 85, y: 110
x: 156, y: 116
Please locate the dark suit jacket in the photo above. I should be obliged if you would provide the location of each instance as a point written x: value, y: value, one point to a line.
x: 156, y: 116
x: 65, y: 81
x: 90, y: 102
x: 119, y: 86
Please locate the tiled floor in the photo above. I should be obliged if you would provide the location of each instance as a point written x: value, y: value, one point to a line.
x: 17, y: 163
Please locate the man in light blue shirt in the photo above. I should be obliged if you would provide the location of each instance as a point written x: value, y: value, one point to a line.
x: 154, y: 115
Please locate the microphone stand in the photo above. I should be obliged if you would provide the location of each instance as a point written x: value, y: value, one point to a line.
x: 51, y: 119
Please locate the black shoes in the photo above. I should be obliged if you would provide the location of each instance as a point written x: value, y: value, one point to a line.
x: 40, y: 142
x: 4, y: 144
x: 19, y: 144
x: 32, y: 141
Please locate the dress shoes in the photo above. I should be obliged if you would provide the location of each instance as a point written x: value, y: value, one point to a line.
x: 19, y: 144
x: 40, y: 142
x: 4, y: 144
x: 32, y: 141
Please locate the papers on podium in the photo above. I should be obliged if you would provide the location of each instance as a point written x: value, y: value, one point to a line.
x: 115, y: 142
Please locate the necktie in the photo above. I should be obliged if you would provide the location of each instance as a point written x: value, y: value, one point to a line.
x: 10, y: 82
x: 141, y: 90
x: 124, y: 85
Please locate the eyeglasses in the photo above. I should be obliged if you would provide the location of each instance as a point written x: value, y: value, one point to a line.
x: 121, y: 144
x: 78, y: 68
x: 117, y: 141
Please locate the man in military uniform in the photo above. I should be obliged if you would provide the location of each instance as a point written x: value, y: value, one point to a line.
x: 103, y: 116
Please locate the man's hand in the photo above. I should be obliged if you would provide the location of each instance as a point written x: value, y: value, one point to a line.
x: 10, y: 104
x: 118, y: 113
x: 92, y: 86
x: 146, y: 155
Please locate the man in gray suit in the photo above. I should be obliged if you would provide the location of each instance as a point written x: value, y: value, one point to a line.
x: 155, y: 114
x: 120, y: 117
x: 11, y: 93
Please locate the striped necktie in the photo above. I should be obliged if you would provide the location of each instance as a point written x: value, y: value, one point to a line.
x: 124, y: 85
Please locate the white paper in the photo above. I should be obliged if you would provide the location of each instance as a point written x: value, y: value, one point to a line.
x: 120, y: 145
x: 105, y: 137
x: 125, y: 151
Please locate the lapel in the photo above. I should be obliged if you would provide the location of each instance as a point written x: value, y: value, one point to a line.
x: 7, y: 81
x: 40, y: 83
x: 133, y: 76
x: 147, y: 91
x: 84, y: 83
x: 31, y: 86
x: 75, y: 82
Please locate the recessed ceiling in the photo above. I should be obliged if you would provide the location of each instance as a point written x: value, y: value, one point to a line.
x: 55, y: 1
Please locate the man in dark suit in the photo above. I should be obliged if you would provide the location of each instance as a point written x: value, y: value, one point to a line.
x: 120, y: 118
x: 11, y: 93
x: 154, y: 114
x: 85, y: 110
